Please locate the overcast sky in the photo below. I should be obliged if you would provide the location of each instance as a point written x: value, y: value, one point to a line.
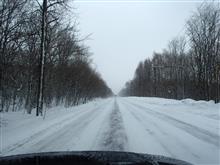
x: 125, y: 33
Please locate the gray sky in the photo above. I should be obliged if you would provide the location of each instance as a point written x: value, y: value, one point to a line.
x: 124, y: 33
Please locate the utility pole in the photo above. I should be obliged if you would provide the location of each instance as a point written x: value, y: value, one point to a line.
x: 42, y: 60
x: 155, y: 80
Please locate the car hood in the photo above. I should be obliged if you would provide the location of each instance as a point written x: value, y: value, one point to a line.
x: 89, y: 157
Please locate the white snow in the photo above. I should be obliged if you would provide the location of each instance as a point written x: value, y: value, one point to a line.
x: 187, y: 129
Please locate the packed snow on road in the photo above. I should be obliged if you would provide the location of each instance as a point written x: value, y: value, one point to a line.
x: 185, y: 129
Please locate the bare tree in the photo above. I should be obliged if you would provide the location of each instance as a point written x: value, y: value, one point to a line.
x: 178, y: 74
x: 204, y: 32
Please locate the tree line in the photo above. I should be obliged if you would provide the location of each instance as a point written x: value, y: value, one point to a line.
x: 180, y: 72
x: 68, y: 77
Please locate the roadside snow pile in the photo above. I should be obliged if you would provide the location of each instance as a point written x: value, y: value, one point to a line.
x: 156, y: 100
x: 163, y: 101
x: 201, y: 102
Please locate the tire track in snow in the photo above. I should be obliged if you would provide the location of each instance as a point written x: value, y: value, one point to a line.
x: 195, y: 131
x: 73, y: 130
x: 115, y: 138
x: 73, y: 133
x: 42, y: 135
x: 148, y: 122
x: 146, y: 129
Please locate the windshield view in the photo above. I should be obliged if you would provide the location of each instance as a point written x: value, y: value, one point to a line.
x: 109, y: 82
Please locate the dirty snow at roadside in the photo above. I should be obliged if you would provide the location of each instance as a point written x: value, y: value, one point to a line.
x: 188, y: 130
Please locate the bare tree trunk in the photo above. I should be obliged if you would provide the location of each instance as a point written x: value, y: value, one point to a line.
x: 42, y: 61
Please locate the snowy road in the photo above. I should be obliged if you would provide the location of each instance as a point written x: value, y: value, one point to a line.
x: 186, y: 129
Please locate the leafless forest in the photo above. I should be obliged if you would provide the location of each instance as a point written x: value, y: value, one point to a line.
x: 189, y: 67
x: 42, y: 59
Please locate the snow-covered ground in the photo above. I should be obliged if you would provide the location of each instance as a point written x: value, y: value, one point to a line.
x: 186, y: 129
